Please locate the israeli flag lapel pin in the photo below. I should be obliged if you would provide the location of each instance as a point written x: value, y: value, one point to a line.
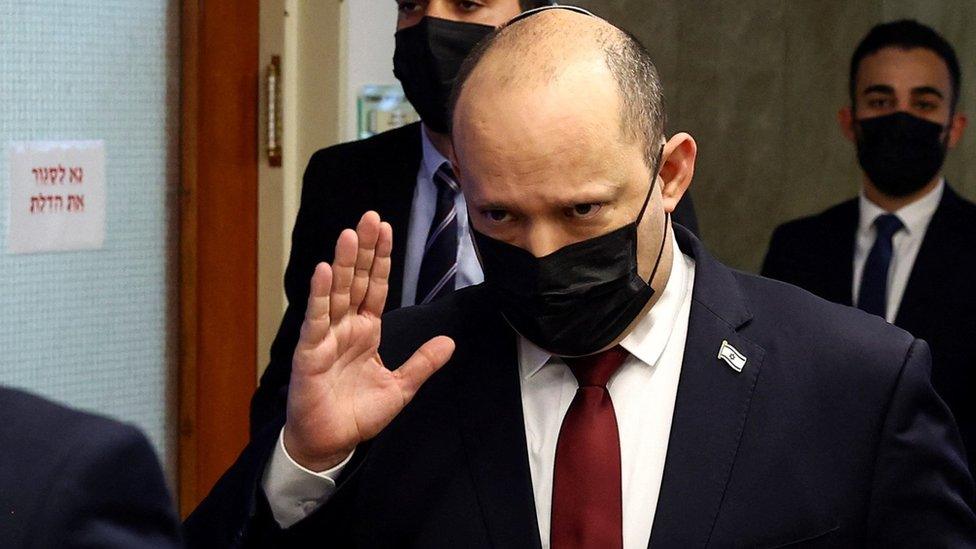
x: 732, y: 356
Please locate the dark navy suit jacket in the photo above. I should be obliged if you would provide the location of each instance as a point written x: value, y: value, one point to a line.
x: 939, y: 304
x: 70, y: 479
x: 830, y: 436
x: 341, y: 184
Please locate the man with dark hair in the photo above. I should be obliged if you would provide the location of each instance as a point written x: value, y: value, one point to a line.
x: 610, y: 384
x: 904, y: 250
x: 403, y: 174
x: 72, y: 479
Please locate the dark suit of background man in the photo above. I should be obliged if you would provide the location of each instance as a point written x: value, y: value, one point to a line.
x: 610, y: 384
x: 906, y: 248
x: 70, y: 479
x: 396, y: 174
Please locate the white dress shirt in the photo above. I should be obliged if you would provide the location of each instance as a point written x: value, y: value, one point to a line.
x: 421, y: 215
x: 905, y: 244
x: 643, y: 391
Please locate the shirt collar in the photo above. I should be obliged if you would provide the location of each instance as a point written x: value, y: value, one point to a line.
x: 649, y: 337
x: 432, y: 158
x: 914, y: 216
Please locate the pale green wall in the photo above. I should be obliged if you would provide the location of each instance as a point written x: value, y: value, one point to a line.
x: 758, y: 84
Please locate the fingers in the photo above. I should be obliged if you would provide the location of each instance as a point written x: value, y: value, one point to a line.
x: 343, y: 270
x: 379, y: 277
x: 429, y: 358
x: 317, y: 320
x: 367, y: 232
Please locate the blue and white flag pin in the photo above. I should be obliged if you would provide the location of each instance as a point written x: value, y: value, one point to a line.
x: 732, y: 356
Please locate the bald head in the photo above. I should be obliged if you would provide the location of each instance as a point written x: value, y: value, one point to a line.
x: 564, y: 48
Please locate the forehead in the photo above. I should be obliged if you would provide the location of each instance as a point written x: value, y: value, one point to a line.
x: 904, y: 69
x: 516, y: 122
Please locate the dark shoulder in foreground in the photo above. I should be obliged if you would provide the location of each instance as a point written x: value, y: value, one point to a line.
x: 69, y: 478
x: 37, y: 421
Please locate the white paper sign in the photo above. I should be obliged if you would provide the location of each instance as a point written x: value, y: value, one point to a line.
x: 57, y: 196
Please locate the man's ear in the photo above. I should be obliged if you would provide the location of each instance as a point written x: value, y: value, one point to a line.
x: 677, y: 169
x: 959, y: 122
x: 845, y: 119
x: 455, y: 165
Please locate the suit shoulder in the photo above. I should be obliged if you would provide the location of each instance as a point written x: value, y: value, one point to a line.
x: 962, y: 212
x: 844, y: 339
x: 366, y: 152
x: 84, y: 458
x: 40, y: 426
x: 813, y: 224
x: 469, y: 302
x: 453, y: 315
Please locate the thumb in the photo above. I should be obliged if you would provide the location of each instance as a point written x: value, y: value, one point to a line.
x: 429, y: 358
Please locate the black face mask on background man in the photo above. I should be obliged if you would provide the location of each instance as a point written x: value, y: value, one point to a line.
x: 426, y: 61
x: 900, y: 152
x: 578, y: 299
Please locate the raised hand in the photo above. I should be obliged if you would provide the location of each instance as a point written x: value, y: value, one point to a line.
x: 340, y: 393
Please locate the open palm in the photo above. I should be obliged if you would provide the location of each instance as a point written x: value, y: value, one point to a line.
x: 340, y: 392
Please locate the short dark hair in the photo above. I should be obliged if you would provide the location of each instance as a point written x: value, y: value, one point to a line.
x: 906, y: 34
x: 530, y: 4
x: 629, y: 62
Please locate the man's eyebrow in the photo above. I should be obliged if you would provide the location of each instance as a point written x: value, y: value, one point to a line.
x: 485, y: 206
x: 879, y: 88
x: 923, y: 90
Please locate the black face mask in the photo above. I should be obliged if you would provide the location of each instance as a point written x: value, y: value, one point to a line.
x: 900, y: 153
x: 427, y: 59
x: 576, y: 300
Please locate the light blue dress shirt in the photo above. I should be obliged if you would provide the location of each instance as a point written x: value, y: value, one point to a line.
x: 421, y: 216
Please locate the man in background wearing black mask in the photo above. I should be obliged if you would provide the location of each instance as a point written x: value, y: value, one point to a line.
x: 905, y: 249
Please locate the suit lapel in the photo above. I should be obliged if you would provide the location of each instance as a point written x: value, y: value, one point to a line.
x: 394, y: 191
x: 936, y: 255
x: 489, y: 404
x: 711, y: 406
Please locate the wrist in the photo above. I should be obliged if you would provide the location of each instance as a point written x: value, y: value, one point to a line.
x: 315, y: 461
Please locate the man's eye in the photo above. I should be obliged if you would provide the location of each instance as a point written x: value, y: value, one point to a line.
x: 925, y: 106
x: 584, y: 210
x: 877, y: 103
x: 496, y: 216
x: 408, y: 7
x: 468, y: 6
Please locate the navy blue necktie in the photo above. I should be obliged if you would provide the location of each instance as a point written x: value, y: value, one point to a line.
x: 874, y: 280
x: 439, y: 266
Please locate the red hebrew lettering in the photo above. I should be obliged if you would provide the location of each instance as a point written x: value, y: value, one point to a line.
x: 76, y: 202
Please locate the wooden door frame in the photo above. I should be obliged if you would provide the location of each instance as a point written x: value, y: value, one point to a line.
x: 218, y: 238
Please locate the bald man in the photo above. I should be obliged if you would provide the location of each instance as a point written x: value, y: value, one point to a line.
x: 610, y: 384
x: 404, y: 174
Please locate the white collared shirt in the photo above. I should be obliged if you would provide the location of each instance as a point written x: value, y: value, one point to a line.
x: 905, y: 244
x: 643, y: 391
x: 422, y: 214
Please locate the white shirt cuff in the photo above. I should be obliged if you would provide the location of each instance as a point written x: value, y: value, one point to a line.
x: 293, y: 491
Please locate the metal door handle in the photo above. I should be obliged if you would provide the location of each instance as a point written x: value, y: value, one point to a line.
x: 273, y: 85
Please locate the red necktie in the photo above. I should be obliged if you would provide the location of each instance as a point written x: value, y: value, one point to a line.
x: 587, y: 505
